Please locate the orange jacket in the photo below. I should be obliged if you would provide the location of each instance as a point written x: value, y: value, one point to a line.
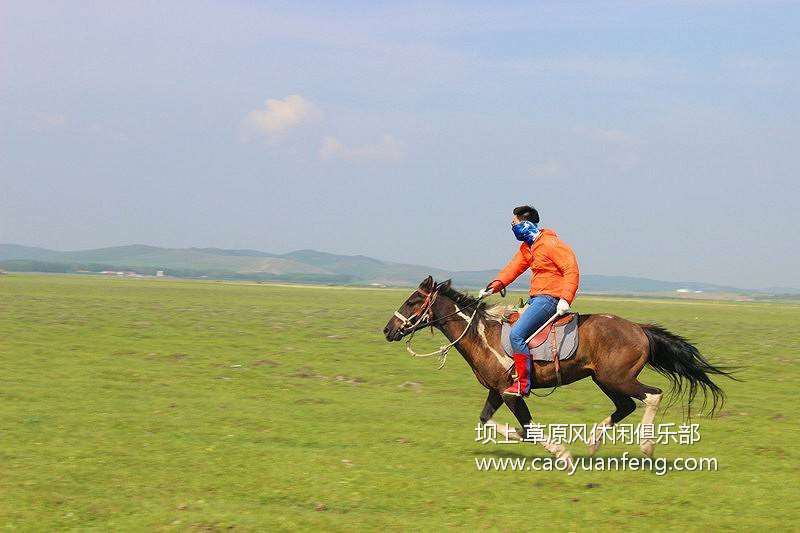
x: 552, y: 262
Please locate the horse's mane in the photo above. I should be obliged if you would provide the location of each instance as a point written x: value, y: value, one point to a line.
x: 468, y: 303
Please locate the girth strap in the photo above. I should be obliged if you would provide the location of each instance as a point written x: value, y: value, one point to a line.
x: 554, y: 348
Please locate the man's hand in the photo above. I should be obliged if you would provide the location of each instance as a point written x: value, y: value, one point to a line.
x: 562, y: 307
x: 494, y: 286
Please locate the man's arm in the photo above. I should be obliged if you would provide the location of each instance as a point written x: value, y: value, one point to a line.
x: 510, y: 272
x: 564, y: 258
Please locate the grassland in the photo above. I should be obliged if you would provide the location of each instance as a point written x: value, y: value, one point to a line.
x: 165, y: 405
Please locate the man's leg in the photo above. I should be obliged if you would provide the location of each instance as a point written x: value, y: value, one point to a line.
x: 540, y: 309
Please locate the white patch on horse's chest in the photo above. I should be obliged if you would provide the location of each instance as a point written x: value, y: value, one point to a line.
x: 505, y: 362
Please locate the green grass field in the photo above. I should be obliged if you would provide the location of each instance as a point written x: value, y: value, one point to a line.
x: 202, y: 406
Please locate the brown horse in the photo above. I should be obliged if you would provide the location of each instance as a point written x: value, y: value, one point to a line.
x: 612, y: 350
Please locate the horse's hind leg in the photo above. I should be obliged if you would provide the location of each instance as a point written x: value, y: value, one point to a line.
x: 651, y: 396
x: 624, y: 406
x: 523, y: 415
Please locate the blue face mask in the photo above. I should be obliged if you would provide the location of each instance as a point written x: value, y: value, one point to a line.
x: 526, y: 231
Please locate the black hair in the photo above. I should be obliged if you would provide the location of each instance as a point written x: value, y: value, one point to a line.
x: 526, y: 212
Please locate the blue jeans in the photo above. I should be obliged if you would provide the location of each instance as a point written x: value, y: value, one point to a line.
x: 540, y: 308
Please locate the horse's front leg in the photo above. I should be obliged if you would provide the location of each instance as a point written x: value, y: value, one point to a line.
x: 493, y: 403
x: 523, y: 415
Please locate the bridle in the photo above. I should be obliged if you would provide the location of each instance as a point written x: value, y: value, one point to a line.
x: 424, y: 311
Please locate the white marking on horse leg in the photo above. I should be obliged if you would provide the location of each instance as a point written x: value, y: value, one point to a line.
x: 558, y: 450
x: 594, y: 440
x: 502, y: 430
x: 651, y: 402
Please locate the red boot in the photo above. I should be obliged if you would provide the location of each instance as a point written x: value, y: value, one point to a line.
x: 522, y: 385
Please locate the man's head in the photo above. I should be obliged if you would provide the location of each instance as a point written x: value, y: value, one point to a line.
x: 525, y: 212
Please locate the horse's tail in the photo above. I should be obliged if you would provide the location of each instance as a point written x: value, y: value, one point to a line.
x: 676, y: 358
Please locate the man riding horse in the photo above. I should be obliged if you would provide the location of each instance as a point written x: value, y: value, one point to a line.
x: 554, y: 283
x: 612, y: 351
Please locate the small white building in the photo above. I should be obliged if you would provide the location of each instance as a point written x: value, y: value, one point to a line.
x: 159, y: 273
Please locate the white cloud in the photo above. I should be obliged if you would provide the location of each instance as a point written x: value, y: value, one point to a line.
x: 386, y: 148
x: 282, y: 114
x: 48, y: 121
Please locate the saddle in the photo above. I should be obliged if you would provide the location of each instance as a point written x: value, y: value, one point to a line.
x: 540, y: 337
x: 562, y: 332
x: 563, y: 336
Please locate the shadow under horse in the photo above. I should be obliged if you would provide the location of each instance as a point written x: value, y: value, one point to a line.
x: 612, y: 351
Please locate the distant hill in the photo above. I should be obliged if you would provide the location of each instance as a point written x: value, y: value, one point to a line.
x: 15, y: 251
x: 306, y: 266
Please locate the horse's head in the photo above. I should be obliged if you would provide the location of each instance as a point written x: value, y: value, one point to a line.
x: 416, y: 312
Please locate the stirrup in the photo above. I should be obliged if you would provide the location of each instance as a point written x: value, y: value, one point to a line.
x: 518, y: 392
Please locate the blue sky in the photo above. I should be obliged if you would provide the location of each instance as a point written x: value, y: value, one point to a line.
x: 659, y: 139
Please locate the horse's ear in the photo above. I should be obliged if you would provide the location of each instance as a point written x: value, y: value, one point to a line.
x: 427, y: 283
x: 445, y: 284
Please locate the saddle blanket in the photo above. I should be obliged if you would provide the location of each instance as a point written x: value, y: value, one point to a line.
x: 566, y: 337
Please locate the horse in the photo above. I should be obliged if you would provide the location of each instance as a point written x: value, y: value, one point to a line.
x: 612, y: 351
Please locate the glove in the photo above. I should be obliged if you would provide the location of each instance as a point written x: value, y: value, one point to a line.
x: 493, y: 287
x: 562, y: 307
